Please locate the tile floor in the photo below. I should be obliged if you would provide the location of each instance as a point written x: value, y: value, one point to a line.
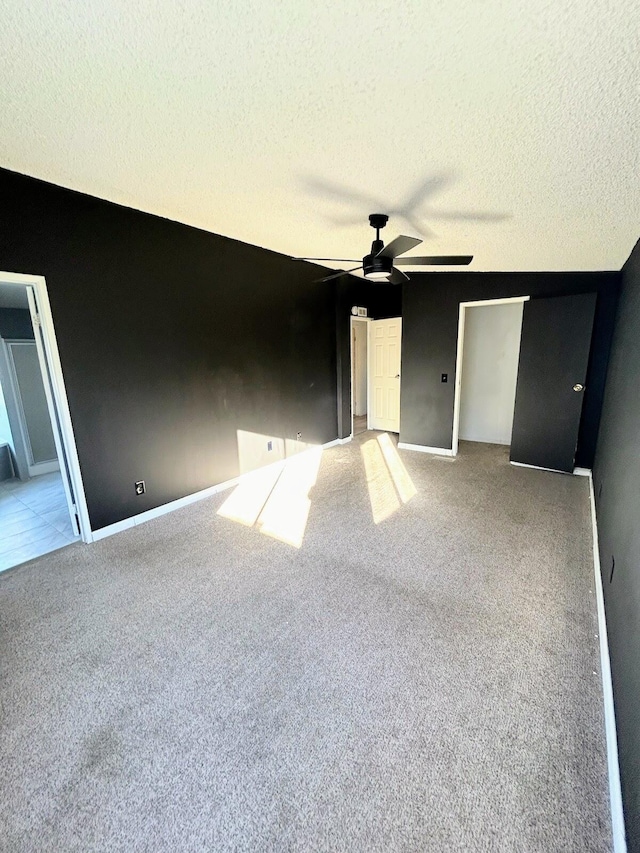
x: 34, y: 519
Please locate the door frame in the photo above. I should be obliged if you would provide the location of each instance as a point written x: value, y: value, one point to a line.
x: 508, y: 300
x: 56, y: 393
x: 355, y: 320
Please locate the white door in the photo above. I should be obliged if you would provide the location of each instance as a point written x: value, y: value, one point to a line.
x: 384, y: 374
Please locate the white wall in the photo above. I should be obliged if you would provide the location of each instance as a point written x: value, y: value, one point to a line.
x: 489, y: 372
x: 5, y: 428
x: 360, y: 368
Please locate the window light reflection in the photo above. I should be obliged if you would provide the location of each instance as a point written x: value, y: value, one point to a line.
x: 275, y: 499
x: 399, y: 474
x: 388, y: 481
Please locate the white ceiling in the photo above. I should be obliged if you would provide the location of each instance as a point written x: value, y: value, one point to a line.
x: 242, y: 117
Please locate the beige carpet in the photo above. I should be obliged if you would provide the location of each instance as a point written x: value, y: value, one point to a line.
x: 427, y: 683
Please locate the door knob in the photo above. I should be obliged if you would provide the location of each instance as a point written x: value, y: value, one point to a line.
x: 578, y: 387
x: 397, y: 376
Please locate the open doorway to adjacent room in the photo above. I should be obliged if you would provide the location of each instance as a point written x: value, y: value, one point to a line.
x: 487, y: 370
x: 42, y: 506
x: 359, y: 375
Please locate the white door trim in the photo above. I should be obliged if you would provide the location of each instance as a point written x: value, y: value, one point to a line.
x: 459, y: 353
x: 351, y: 328
x: 58, y: 399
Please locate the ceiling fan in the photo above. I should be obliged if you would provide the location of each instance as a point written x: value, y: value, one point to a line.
x: 382, y: 262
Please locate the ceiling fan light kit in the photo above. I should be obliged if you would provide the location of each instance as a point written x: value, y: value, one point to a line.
x: 380, y: 264
x: 377, y: 269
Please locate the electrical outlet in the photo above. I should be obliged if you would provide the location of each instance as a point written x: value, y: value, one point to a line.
x: 140, y: 487
x: 444, y: 377
x: 299, y: 436
x: 269, y: 445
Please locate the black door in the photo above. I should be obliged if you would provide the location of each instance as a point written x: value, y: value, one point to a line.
x: 554, y: 352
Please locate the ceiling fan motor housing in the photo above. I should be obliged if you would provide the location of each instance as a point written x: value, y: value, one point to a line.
x: 374, y: 266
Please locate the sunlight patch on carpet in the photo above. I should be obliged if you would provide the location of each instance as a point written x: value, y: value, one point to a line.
x: 388, y: 481
x: 275, y: 499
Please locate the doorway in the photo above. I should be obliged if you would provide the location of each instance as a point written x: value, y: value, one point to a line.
x: 31, y: 434
x: 359, y: 375
x: 42, y: 503
x: 550, y: 377
x: 385, y: 345
x: 487, y: 370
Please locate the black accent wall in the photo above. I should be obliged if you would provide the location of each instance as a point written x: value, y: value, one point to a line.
x: 429, y: 343
x: 171, y: 339
x: 617, y: 490
x: 15, y: 323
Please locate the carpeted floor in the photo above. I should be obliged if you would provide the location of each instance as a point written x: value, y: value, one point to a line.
x: 428, y: 683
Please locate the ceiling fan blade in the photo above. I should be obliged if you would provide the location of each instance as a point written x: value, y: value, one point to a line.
x: 397, y: 277
x: 418, y: 226
x: 398, y: 246
x: 338, y: 274
x: 436, y: 260
x: 337, y: 260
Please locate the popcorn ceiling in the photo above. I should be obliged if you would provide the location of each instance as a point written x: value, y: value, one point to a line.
x: 286, y: 124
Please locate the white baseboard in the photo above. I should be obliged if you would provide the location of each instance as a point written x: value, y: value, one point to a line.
x: 134, y: 520
x: 110, y: 529
x: 615, y: 791
x: 577, y: 472
x: 39, y: 468
x: 422, y: 448
x: 336, y: 442
x: 126, y: 523
x: 537, y: 467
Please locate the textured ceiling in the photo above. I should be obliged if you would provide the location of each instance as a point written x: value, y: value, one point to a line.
x: 285, y: 124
